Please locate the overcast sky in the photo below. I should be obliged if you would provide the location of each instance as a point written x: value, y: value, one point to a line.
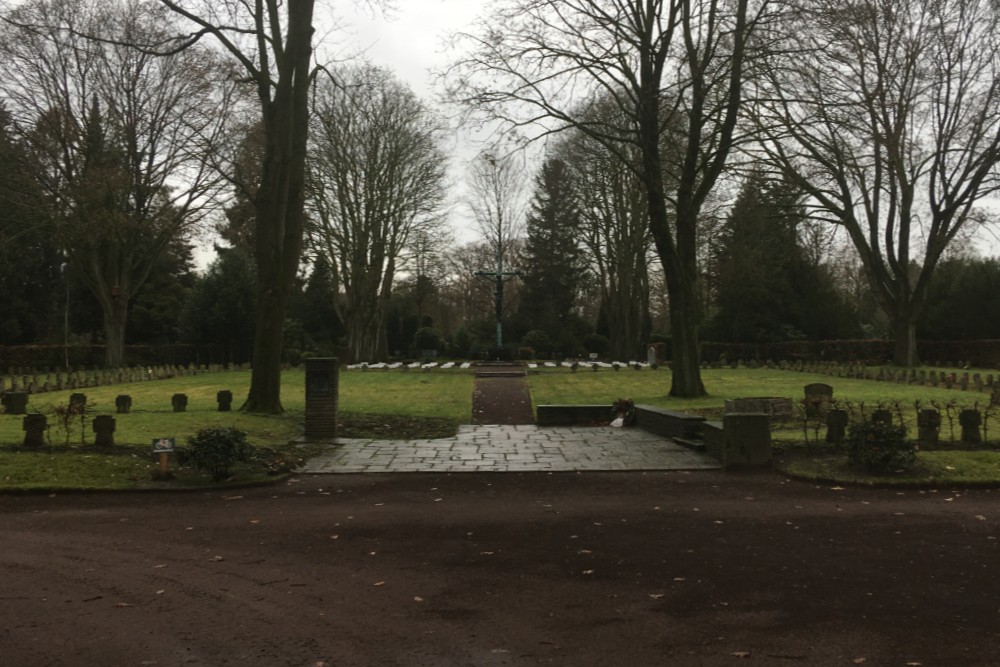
x: 411, y: 41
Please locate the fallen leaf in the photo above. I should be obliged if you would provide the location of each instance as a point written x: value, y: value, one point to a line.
x: 860, y: 661
x: 981, y: 517
x: 741, y: 654
x: 588, y: 571
x: 679, y: 579
x: 417, y: 598
x: 379, y: 583
x: 218, y: 558
x: 159, y: 567
x: 160, y: 592
x: 254, y: 521
x: 234, y: 497
x: 584, y: 551
x: 656, y: 596
x: 121, y: 605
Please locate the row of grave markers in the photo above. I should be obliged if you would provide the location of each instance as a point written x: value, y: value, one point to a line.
x: 35, y: 382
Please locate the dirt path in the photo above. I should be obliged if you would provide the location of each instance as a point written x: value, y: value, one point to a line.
x: 685, y: 569
x: 500, y: 395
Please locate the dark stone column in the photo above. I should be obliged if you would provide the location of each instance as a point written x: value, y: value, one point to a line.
x: 746, y: 440
x: 322, y: 397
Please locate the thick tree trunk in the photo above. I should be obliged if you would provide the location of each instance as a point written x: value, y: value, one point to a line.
x: 904, y: 341
x: 279, y: 204
x: 114, y: 334
x: 685, y: 347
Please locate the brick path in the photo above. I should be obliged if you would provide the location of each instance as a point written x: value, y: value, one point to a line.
x: 521, y: 448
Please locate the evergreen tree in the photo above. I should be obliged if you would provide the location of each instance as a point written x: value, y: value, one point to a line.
x: 221, y: 308
x: 963, y: 301
x: 766, y: 288
x: 552, y: 259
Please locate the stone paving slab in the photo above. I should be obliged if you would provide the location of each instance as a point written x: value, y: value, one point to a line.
x: 492, y: 448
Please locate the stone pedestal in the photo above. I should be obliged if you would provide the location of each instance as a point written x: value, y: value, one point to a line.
x: 746, y: 440
x: 322, y: 397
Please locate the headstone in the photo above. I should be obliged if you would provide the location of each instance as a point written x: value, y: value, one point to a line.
x: 836, y: 426
x: 651, y: 355
x: 123, y: 404
x: 179, y: 401
x: 928, y: 426
x: 964, y: 382
x: 818, y: 397
x: 34, y: 426
x: 322, y: 397
x: 104, y: 431
x: 970, y: 420
x: 225, y: 399
x: 78, y: 403
x: 15, y: 402
x: 977, y: 381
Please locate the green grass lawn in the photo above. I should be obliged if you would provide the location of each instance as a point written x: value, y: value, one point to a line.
x: 419, y: 404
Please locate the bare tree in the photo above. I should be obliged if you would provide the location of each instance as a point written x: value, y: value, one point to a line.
x: 616, y: 236
x: 120, y: 138
x: 272, y: 42
x: 376, y: 184
x: 497, y: 201
x: 664, y: 64
x: 887, y: 113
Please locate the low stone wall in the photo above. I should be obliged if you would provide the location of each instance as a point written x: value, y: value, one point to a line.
x: 571, y: 415
x: 668, y: 423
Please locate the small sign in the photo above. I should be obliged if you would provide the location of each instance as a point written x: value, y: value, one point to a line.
x: 163, y: 445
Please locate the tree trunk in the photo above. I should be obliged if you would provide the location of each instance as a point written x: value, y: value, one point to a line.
x: 279, y: 203
x: 685, y: 347
x: 114, y: 333
x: 904, y: 341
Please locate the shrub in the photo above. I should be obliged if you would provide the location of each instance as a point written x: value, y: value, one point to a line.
x: 880, y: 447
x: 216, y: 451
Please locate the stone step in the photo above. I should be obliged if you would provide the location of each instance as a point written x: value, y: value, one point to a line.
x: 696, y: 444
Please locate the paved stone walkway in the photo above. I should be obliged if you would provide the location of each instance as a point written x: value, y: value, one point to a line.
x: 501, y: 448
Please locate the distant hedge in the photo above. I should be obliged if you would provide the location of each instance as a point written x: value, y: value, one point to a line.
x: 90, y: 356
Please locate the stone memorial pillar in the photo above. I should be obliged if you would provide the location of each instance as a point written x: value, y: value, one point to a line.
x: 322, y: 397
x: 123, y: 404
x: 746, y: 440
x: 179, y: 401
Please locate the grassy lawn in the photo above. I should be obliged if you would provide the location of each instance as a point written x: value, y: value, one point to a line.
x: 421, y: 404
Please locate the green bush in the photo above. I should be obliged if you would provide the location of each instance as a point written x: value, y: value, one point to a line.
x: 216, y: 451
x: 880, y: 447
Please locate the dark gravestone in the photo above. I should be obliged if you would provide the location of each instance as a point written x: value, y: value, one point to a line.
x: 977, y: 381
x: 818, y: 398
x: 34, y: 430
x: 970, y: 420
x: 322, y: 397
x: 179, y: 401
x: 104, y: 431
x: 928, y: 426
x: 15, y: 402
x: 78, y: 403
x: 225, y: 399
x: 836, y: 426
x: 123, y: 404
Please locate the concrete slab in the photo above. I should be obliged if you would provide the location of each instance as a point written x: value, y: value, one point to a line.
x: 493, y: 448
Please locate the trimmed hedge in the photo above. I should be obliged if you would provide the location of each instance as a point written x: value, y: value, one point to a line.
x: 977, y: 353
